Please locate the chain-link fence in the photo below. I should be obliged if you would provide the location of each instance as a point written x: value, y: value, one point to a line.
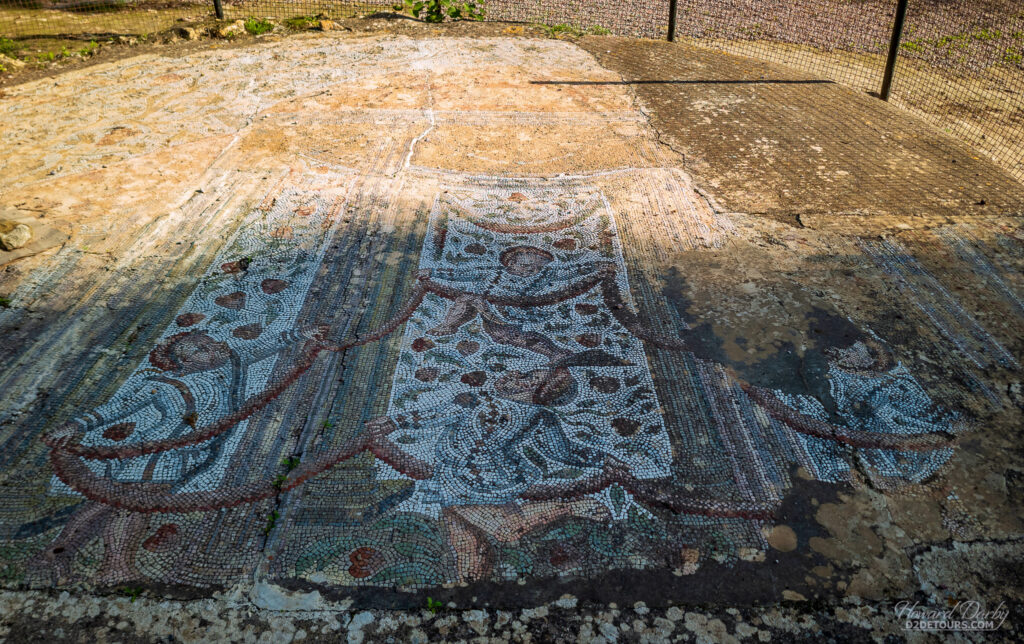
x: 23, y: 21
x: 960, y: 63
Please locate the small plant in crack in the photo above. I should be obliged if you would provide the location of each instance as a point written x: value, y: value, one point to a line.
x: 280, y: 480
x: 328, y: 424
x: 131, y: 592
x: 271, y: 522
x: 434, y: 605
x: 290, y: 463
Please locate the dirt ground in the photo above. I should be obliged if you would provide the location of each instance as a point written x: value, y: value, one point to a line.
x: 466, y: 334
x: 959, y: 68
x: 982, y: 109
x: 770, y: 140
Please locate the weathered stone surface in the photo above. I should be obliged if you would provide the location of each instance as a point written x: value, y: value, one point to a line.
x: 14, y: 235
x: 233, y: 30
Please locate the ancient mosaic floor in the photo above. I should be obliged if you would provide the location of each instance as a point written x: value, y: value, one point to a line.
x: 382, y: 312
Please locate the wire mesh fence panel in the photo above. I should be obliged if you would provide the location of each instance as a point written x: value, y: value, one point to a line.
x: 637, y: 18
x: 41, y: 19
x: 841, y: 40
x: 961, y: 66
x: 960, y: 63
x: 298, y: 9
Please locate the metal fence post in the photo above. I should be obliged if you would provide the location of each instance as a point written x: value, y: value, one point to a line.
x: 218, y: 9
x: 894, y: 49
x: 672, y: 20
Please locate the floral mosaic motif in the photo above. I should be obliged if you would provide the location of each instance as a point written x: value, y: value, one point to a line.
x: 524, y: 432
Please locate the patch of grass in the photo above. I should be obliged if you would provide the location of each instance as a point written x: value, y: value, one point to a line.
x: 299, y: 23
x: 566, y: 29
x: 89, y: 49
x: 912, y: 46
x: 438, y: 10
x: 9, y: 48
x: 65, y: 52
x: 958, y: 41
x: 562, y: 29
x: 987, y: 34
x: 5, y: 302
x: 755, y: 30
x: 257, y: 27
x: 1013, y: 57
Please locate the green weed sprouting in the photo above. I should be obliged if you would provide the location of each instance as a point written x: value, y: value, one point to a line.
x: 438, y: 10
x: 553, y: 31
x: 271, y: 522
x: 433, y: 605
x: 299, y: 23
x: 257, y: 27
x: 132, y: 592
x: 8, y: 47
